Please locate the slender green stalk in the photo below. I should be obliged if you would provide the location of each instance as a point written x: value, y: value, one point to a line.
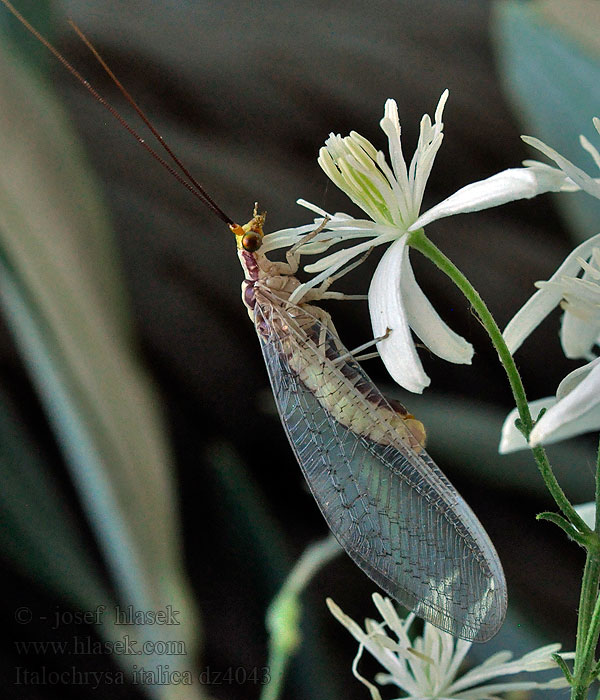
x: 283, y: 615
x: 588, y: 627
x: 597, y: 494
x: 420, y: 242
x: 588, y: 624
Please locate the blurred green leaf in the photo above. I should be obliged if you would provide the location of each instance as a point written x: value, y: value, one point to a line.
x: 63, y: 298
x: 263, y: 542
x: 39, y: 13
x: 31, y: 503
x: 553, y: 81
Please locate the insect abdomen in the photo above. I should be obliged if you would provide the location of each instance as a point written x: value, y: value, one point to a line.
x: 337, y: 387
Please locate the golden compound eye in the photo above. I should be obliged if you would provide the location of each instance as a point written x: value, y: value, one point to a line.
x: 251, y: 242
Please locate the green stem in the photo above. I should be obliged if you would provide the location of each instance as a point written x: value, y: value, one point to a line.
x: 588, y: 624
x: 420, y: 242
x: 283, y: 615
x: 588, y: 627
x: 597, y: 493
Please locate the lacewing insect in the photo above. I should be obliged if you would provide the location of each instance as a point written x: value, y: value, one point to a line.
x: 386, y: 502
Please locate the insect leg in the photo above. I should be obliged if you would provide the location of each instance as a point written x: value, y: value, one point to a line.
x: 368, y: 356
x: 293, y: 255
x: 321, y: 292
x: 340, y: 296
x: 360, y: 348
x: 292, y: 252
x: 327, y: 325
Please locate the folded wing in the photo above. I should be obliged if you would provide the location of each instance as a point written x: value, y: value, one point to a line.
x: 388, y: 505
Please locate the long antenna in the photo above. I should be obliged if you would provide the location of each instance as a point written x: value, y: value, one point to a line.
x: 144, y: 118
x: 192, y: 185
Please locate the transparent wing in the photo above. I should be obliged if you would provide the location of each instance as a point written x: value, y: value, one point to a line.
x: 389, y: 506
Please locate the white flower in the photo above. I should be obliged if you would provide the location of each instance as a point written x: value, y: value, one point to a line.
x: 578, y: 294
x: 574, y: 410
x: 575, y: 286
x: 428, y: 666
x: 391, y: 196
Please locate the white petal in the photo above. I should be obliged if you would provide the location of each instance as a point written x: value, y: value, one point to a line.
x: 576, y: 174
x: 574, y: 379
x: 578, y: 412
x: 536, y: 660
x: 390, y: 125
x: 355, y: 630
x: 592, y: 150
x: 390, y: 616
x: 312, y: 207
x: 577, y: 336
x: 285, y: 237
x: 547, y: 434
x: 493, y: 690
x: 344, y: 254
x: 511, y: 438
x: 423, y: 164
x: 533, y: 312
x: 439, y: 110
x: 386, y: 307
x: 429, y: 143
x: 578, y: 332
x: 506, y: 186
x: 529, y: 316
x: 551, y: 171
x: 427, y: 324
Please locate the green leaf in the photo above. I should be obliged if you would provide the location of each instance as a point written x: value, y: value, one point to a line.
x: 40, y: 534
x: 553, y: 81
x: 62, y: 294
x: 564, y: 525
x: 563, y: 667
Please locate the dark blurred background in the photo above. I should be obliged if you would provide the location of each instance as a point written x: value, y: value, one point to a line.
x: 246, y: 93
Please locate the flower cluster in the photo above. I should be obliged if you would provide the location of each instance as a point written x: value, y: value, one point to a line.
x: 575, y: 287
